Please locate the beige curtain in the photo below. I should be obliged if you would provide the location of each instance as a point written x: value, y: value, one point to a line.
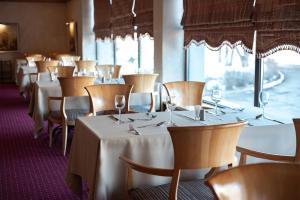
x: 122, y: 18
x: 216, y: 21
x: 278, y: 26
x: 144, y: 17
x: 102, y: 14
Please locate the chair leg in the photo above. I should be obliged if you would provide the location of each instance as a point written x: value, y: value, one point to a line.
x: 50, y: 132
x: 64, y: 138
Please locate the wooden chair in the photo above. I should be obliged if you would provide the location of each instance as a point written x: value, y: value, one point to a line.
x: 42, y: 66
x: 65, y: 71
x: 102, y: 97
x: 281, y: 158
x: 194, y: 148
x: 88, y: 65
x: 268, y: 181
x: 105, y: 69
x: 70, y: 87
x: 68, y: 59
x: 187, y: 93
x: 34, y: 57
x: 143, y: 83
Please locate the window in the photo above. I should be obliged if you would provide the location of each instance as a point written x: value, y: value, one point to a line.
x: 281, y: 81
x: 230, y: 69
x: 105, y: 52
x: 134, y: 55
x: 127, y: 54
x: 147, y: 54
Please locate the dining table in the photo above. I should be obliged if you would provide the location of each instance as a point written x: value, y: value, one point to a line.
x: 98, y: 141
x: 44, y: 88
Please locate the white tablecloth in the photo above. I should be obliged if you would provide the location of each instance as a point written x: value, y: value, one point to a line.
x: 19, y: 63
x: 23, y: 78
x: 99, y: 141
x: 38, y: 107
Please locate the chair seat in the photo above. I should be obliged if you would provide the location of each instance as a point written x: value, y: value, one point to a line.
x: 187, y: 190
x: 72, y: 114
x: 140, y: 108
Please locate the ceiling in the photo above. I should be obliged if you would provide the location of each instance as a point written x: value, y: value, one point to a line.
x: 39, y: 1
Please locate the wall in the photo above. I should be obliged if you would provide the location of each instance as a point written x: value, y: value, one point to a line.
x: 74, y: 13
x: 168, y: 40
x: 42, y: 26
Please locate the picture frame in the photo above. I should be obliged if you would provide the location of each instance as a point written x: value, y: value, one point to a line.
x: 9, y: 37
x: 72, y: 37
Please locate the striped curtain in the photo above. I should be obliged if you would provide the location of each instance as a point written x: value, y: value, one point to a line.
x: 277, y: 23
x: 216, y: 22
x: 102, y: 15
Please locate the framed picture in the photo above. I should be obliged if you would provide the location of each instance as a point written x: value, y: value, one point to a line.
x: 9, y: 34
x: 72, y: 37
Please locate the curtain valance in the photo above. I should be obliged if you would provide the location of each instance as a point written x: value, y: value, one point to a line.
x: 144, y: 16
x: 102, y: 14
x: 278, y: 26
x: 216, y: 21
x: 122, y: 18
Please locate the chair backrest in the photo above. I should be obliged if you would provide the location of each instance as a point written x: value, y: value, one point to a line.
x: 297, y: 130
x: 42, y: 66
x: 102, y: 97
x: 66, y: 71
x: 88, y: 65
x: 187, y: 92
x: 205, y: 146
x: 268, y: 181
x: 106, y: 68
x: 34, y: 57
x: 74, y: 86
x: 142, y: 83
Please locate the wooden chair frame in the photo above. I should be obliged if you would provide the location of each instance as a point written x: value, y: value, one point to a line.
x: 280, y: 158
x: 194, y: 148
x: 71, y: 87
x: 143, y: 83
x: 189, y: 92
x: 268, y: 181
x: 105, y: 94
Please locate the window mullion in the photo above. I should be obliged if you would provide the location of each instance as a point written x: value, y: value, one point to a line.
x: 258, y: 81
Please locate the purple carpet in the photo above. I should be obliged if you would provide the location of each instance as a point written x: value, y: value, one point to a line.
x: 29, y: 169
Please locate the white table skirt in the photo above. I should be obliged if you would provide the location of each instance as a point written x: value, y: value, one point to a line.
x: 98, y: 142
x: 38, y: 107
x: 23, y: 78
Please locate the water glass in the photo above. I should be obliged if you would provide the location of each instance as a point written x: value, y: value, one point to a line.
x: 120, y: 104
x: 171, y: 106
x: 216, y: 96
x: 197, y: 109
x: 263, y: 100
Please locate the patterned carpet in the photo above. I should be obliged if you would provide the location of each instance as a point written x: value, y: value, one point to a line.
x: 29, y: 169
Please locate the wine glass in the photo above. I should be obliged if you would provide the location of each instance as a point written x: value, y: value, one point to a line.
x: 171, y: 106
x: 216, y: 96
x: 263, y: 100
x: 120, y: 104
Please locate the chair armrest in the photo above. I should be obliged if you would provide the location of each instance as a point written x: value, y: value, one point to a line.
x: 274, y: 157
x: 147, y: 170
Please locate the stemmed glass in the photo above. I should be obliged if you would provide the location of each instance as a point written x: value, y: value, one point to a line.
x: 171, y: 106
x: 216, y: 96
x: 263, y: 100
x: 120, y: 104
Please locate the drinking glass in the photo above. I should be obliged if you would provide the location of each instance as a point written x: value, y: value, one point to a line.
x: 111, y: 73
x: 263, y: 100
x: 171, y: 106
x: 119, y: 104
x: 216, y: 96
